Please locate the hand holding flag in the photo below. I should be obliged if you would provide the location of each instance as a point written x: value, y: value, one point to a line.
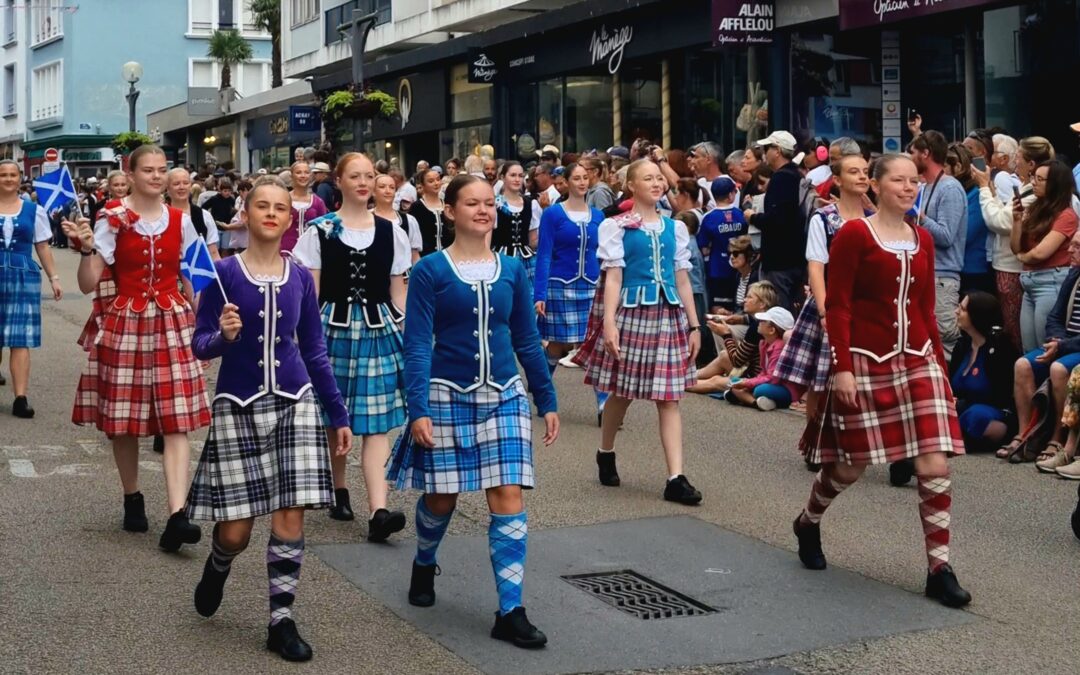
x: 55, y: 189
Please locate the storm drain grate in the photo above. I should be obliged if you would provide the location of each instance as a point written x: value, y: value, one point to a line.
x: 637, y: 595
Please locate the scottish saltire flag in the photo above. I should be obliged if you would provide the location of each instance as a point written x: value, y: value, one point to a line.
x: 55, y: 189
x: 198, y: 266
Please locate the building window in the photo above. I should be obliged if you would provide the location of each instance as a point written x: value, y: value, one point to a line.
x: 9, y: 22
x: 206, y: 16
x: 47, y: 91
x: 202, y: 16
x: 304, y: 11
x: 203, y: 73
x: 336, y: 16
x: 9, y: 90
x: 247, y: 78
x: 46, y: 20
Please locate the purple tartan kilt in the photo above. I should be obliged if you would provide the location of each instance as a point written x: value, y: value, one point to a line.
x: 567, y: 308
x: 806, y: 361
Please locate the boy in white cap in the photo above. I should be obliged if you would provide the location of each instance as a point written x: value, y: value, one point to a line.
x: 766, y: 391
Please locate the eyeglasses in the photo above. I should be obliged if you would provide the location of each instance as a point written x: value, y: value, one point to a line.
x: 1041, y: 179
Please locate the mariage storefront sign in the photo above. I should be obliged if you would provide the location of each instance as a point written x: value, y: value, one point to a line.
x: 863, y: 13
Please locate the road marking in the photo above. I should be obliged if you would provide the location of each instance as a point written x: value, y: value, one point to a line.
x: 714, y: 570
x: 24, y: 468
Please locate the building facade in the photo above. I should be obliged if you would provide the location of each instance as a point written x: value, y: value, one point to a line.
x: 13, y: 59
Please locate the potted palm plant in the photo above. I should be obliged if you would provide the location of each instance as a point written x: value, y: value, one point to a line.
x: 229, y: 49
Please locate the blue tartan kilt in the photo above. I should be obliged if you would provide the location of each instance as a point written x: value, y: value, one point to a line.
x: 369, y: 366
x: 530, y: 266
x: 20, y: 303
x: 483, y: 439
x: 806, y: 361
x: 567, y: 308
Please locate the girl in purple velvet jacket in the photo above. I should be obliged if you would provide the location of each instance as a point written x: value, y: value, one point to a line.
x: 266, y: 452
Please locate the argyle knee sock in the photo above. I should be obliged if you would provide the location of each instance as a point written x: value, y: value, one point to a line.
x: 826, y: 487
x: 283, y: 561
x: 430, y: 530
x: 507, y: 536
x: 220, y: 559
x: 935, y: 511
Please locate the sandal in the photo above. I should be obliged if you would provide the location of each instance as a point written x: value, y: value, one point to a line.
x: 1004, y: 451
x: 1052, y: 449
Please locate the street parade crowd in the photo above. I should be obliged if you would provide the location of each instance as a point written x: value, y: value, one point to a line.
x: 913, y: 306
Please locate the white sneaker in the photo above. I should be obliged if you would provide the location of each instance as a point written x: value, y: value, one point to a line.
x: 566, y: 360
x: 766, y: 404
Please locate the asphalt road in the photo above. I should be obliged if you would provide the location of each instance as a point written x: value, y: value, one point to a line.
x: 80, y: 595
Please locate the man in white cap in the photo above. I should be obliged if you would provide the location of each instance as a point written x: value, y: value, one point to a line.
x: 783, y: 236
x: 324, y: 185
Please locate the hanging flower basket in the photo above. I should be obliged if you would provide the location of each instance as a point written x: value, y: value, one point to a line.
x: 364, y: 105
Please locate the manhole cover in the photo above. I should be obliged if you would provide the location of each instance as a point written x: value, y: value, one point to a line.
x: 637, y: 595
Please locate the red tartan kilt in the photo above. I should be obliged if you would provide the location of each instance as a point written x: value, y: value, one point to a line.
x: 103, y: 297
x: 905, y: 408
x: 141, y: 378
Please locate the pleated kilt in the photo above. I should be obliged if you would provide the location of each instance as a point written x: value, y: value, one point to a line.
x: 271, y: 454
x: 369, y: 366
x: 20, y: 302
x: 905, y: 408
x: 483, y: 439
x: 654, y: 347
x: 530, y: 266
x: 806, y: 361
x: 141, y: 378
x: 102, y: 297
x: 567, y: 307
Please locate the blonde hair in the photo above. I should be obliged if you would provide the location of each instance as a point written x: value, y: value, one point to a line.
x: 766, y: 292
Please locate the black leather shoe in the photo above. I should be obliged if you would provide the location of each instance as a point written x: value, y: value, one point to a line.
x: 900, y: 473
x: 809, y: 536
x: 422, y: 584
x: 21, y: 408
x: 609, y: 475
x: 679, y: 489
x: 178, y: 531
x: 210, y: 589
x: 135, y: 513
x: 159, y: 444
x: 1076, y: 515
x: 516, y: 628
x: 3, y: 380
x: 384, y: 523
x: 283, y: 639
x: 943, y: 587
x: 342, y: 508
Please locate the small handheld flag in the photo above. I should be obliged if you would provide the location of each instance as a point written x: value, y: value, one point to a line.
x: 198, y: 267
x: 55, y: 189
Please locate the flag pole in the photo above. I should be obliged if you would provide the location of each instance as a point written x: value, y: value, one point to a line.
x: 216, y: 277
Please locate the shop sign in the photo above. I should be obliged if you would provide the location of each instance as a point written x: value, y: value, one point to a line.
x: 610, y: 47
x: 737, y: 22
x: 421, y: 100
x: 795, y: 12
x: 862, y: 13
x: 304, y: 118
x: 203, y: 101
x: 98, y: 155
x: 482, y: 68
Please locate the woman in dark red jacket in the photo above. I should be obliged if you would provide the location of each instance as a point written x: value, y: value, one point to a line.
x: 889, y: 398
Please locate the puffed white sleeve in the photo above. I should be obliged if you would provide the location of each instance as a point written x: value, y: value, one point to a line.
x: 307, y: 251
x: 537, y: 212
x: 682, y: 247
x: 402, y: 252
x: 816, y: 242
x: 42, y: 227
x: 212, y: 234
x: 610, y: 247
x: 415, y: 240
x: 190, y: 233
x: 105, y: 240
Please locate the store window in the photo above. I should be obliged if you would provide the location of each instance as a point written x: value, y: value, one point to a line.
x: 642, y: 108
x: 588, y: 113
x: 470, y: 116
x: 727, y: 99
x: 550, y: 120
x: 834, y: 94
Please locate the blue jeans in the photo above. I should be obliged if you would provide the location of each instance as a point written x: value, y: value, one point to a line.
x: 776, y: 392
x: 1042, y: 370
x: 1041, y: 288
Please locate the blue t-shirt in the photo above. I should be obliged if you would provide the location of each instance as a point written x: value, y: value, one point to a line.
x: 975, y: 244
x: 719, y: 227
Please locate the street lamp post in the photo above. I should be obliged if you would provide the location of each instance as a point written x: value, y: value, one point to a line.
x: 358, y: 28
x: 132, y: 72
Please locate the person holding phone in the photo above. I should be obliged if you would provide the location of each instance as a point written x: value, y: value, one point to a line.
x: 976, y: 274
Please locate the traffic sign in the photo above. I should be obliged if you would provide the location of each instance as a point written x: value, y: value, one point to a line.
x: 52, y: 155
x: 49, y: 167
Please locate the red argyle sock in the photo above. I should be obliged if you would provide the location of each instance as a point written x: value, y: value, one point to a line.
x: 827, y: 486
x: 935, y: 510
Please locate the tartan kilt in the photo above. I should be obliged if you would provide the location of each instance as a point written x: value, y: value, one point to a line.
x: 103, y: 295
x: 806, y: 361
x: 655, y: 352
x: 20, y: 303
x: 369, y: 365
x: 141, y: 378
x: 567, y: 308
x: 530, y: 266
x: 905, y: 409
x: 270, y: 454
x: 483, y: 439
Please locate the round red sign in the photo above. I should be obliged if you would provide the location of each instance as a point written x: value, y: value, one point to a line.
x: 52, y: 155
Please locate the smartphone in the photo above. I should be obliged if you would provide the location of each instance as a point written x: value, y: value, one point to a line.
x: 1016, y: 192
x: 979, y: 163
x: 912, y: 113
x: 718, y: 318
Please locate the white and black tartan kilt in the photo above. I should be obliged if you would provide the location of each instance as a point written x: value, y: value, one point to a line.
x: 483, y: 439
x: 806, y: 361
x: 271, y: 454
x: 567, y: 311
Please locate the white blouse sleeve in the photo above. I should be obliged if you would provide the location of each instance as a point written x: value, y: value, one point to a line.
x: 105, y: 240
x: 682, y: 247
x: 42, y: 227
x: 415, y: 240
x: 212, y: 234
x: 402, y: 252
x: 816, y: 249
x: 534, y: 224
x: 190, y: 233
x: 307, y: 251
x: 610, y: 247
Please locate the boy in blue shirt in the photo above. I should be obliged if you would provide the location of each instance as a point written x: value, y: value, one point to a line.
x: 720, y: 226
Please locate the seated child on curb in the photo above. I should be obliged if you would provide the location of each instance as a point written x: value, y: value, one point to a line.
x: 739, y: 356
x: 766, y: 391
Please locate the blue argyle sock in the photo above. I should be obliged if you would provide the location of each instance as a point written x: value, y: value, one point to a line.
x: 430, y: 530
x: 507, y: 536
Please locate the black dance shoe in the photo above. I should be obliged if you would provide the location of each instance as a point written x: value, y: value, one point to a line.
x: 422, y: 584
x: 515, y: 627
x: 135, y: 513
x: 178, y: 531
x: 210, y: 589
x: 679, y: 489
x: 609, y: 475
x: 901, y: 473
x: 1076, y: 516
x: 342, y: 508
x: 283, y: 639
x: 3, y: 380
x: 943, y: 587
x: 21, y: 408
x: 809, y: 536
x: 159, y: 444
x: 384, y: 523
